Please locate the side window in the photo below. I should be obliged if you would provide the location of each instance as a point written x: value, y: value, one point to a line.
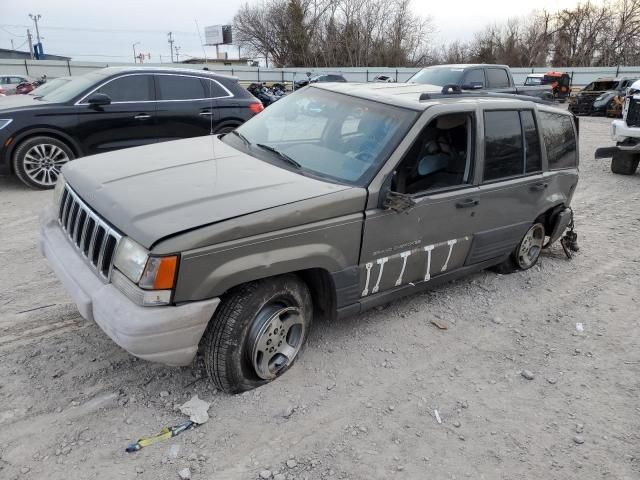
x: 503, y: 151
x: 531, y: 142
x: 131, y: 88
x: 179, y: 87
x: 440, y: 158
x: 474, y: 77
x: 17, y: 80
x: 497, y: 78
x: 559, y: 139
x: 214, y: 90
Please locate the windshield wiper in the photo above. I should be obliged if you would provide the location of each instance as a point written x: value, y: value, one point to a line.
x: 242, y: 137
x: 283, y: 156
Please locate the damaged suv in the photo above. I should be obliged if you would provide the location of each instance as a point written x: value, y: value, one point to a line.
x: 625, y: 156
x: 335, y: 199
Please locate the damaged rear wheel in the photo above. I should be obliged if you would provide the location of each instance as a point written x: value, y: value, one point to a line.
x: 527, y: 252
x: 257, y: 333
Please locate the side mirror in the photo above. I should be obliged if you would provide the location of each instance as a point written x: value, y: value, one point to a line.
x: 471, y: 86
x: 99, y: 99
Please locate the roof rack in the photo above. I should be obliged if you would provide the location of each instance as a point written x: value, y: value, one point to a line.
x: 454, y: 91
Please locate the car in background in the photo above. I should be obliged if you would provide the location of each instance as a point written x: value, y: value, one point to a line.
x: 485, y: 77
x: 382, y: 78
x: 600, y: 96
x: 9, y: 83
x: 115, y: 108
x: 324, y: 78
x: 3, y: 92
x: 560, y: 83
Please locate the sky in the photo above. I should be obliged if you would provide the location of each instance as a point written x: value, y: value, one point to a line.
x: 106, y: 31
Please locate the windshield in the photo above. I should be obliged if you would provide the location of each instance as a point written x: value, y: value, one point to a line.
x: 50, y: 86
x: 74, y: 87
x: 326, y: 134
x: 533, y: 81
x: 439, y: 76
x: 601, y: 86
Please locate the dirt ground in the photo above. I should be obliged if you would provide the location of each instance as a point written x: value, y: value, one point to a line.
x: 360, y: 403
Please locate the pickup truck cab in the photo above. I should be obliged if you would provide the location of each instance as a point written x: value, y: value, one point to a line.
x: 335, y: 199
x: 625, y: 156
x: 492, y: 78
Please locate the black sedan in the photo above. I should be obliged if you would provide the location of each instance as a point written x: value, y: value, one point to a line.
x: 331, y: 77
x: 115, y: 108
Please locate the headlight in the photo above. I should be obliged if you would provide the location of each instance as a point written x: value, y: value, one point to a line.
x: 57, y: 191
x: 160, y: 273
x: 4, y: 122
x: 131, y: 259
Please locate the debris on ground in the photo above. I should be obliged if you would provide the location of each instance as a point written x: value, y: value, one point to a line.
x: 185, y: 474
x: 165, y: 433
x: 440, y: 324
x: 197, y: 410
x: 528, y: 374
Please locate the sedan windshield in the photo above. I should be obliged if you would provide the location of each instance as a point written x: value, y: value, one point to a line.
x: 439, y: 76
x: 326, y: 134
x: 74, y: 87
x: 601, y: 86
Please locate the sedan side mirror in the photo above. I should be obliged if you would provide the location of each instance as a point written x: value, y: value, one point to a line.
x: 99, y: 99
x: 471, y: 86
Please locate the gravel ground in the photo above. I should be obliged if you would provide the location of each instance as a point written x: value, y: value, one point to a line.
x: 520, y: 392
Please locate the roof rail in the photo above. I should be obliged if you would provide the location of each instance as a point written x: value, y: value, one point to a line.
x: 457, y: 93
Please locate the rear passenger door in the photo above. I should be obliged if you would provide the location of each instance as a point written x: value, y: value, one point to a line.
x: 184, y: 107
x: 512, y: 184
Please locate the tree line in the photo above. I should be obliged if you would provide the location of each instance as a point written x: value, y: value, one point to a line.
x: 386, y: 33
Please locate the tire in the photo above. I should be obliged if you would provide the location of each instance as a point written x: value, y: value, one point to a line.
x: 527, y: 253
x: 226, y: 129
x: 624, y: 163
x: 37, y: 161
x: 239, y: 348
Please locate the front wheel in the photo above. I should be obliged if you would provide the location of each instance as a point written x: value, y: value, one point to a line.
x: 37, y: 161
x: 257, y: 333
x: 624, y: 163
x: 527, y: 252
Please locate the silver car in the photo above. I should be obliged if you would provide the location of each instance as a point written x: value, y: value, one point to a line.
x: 10, y: 82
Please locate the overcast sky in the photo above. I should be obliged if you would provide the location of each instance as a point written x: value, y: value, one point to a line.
x: 105, y: 31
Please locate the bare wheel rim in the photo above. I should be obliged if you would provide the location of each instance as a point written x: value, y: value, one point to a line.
x: 42, y: 163
x: 276, y: 339
x: 531, y: 246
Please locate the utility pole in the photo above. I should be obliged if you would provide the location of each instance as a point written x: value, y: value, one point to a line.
x: 134, y: 51
x: 12, y: 47
x: 171, y: 40
x: 35, y: 19
x: 30, y: 43
x: 177, y: 49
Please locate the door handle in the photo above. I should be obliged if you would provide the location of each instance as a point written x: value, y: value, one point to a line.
x: 538, y: 187
x: 142, y: 116
x: 206, y: 113
x: 467, y: 203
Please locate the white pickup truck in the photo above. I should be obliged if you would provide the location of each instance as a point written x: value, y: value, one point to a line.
x: 625, y: 156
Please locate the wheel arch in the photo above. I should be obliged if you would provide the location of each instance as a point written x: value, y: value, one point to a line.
x: 38, y: 131
x: 549, y: 217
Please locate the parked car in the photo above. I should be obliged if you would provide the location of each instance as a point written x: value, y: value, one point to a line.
x: 625, y: 156
x: 598, y: 96
x: 493, y: 78
x: 382, y: 78
x: 24, y: 88
x: 236, y: 244
x: 3, y: 92
x: 115, y: 108
x: 331, y: 77
x: 560, y: 83
x: 9, y: 83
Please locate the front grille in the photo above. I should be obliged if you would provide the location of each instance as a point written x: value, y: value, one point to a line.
x: 92, y: 237
x: 633, y: 113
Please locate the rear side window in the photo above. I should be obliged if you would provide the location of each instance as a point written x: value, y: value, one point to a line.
x: 132, y: 88
x: 213, y: 89
x: 179, y: 87
x: 503, y: 151
x: 531, y: 142
x: 559, y: 139
x: 497, y: 78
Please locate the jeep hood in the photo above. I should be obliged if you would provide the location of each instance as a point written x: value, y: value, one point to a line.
x: 155, y: 191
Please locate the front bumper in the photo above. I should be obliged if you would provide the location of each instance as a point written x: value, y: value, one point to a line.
x: 168, y: 334
x: 620, y: 131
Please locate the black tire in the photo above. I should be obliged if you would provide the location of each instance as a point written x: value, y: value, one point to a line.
x: 515, y: 262
x: 225, y: 129
x: 624, y: 163
x: 44, y: 176
x: 229, y: 343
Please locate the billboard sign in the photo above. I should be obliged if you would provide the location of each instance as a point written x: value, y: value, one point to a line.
x: 217, y: 34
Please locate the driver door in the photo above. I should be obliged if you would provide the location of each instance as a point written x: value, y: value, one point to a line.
x: 434, y: 236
